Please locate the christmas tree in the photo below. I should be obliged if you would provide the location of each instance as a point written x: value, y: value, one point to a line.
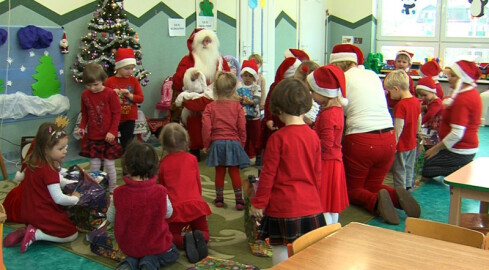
x: 47, y: 80
x: 108, y: 30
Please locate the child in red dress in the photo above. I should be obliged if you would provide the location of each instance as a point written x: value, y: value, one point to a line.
x: 328, y: 87
x: 289, y: 185
x: 101, y: 112
x: 129, y: 90
x: 179, y: 173
x: 224, y: 136
x: 431, y: 112
x: 42, y: 203
x: 432, y: 69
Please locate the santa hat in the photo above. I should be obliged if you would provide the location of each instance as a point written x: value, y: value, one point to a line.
x: 329, y: 81
x: 299, y: 54
x: 251, y: 67
x: 287, y: 68
x: 346, y: 52
x: 427, y: 84
x: 430, y: 68
x: 198, y: 36
x: 124, y: 57
x: 34, y: 37
x: 467, y: 72
x: 406, y: 53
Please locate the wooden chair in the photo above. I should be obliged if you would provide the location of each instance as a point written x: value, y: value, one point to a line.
x: 445, y: 232
x: 311, y: 237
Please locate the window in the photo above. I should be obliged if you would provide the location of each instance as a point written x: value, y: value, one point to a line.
x: 443, y: 29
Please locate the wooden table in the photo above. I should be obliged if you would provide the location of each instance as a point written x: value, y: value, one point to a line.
x: 471, y: 181
x: 360, y: 246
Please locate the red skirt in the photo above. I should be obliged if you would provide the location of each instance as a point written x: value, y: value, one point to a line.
x: 334, y: 194
x: 101, y: 149
x: 12, y: 204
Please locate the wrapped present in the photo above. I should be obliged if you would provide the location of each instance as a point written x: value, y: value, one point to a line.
x: 90, y: 211
x: 258, y: 247
x: 103, y: 243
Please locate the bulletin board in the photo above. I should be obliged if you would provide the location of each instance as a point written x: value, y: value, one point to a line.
x: 25, y: 70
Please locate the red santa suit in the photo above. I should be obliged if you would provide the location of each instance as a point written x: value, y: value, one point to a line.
x: 193, y: 60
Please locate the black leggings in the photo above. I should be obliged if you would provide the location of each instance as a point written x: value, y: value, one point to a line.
x: 126, y: 129
x: 445, y: 163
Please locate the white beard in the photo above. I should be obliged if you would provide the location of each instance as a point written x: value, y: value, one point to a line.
x: 206, y: 60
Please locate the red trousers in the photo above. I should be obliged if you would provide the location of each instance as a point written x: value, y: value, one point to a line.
x: 253, y: 138
x: 197, y: 224
x: 367, y: 158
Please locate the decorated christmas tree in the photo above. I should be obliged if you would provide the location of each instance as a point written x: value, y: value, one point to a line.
x: 47, y: 80
x: 107, y: 31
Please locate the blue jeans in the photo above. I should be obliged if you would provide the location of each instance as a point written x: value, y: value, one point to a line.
x: 153, y: 262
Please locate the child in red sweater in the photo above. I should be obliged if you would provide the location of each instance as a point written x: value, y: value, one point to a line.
x: 224, y: 136
x: 407, y: 120
x: 129, y: 91
x: 403, y: 62
x: 139, y: 210
x: 431, y: 112
x: 101, y: 112
x: 289, y: 186
x: 179, y: 173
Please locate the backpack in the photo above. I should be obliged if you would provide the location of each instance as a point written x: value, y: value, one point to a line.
x: 166, y: 94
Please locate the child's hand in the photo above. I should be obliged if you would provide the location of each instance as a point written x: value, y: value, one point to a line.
x: 109, y: 137
x: 81, y: 132
x: 258, y: 213
x: 270, y: 125
x: 195, y: 75
x: 205, y: 150
x: 117, y: 91
x: 247, y: 101
x: 262, y: 107
x: 76, y: 194
x: 125, y: 92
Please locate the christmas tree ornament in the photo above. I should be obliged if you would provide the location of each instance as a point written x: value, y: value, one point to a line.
x: 63, y: 44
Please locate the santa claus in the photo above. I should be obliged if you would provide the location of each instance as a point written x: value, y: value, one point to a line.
x: 203, y: 46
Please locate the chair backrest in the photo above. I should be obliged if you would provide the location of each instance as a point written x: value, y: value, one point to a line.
x: 445, y: 232
x: 311, y: 237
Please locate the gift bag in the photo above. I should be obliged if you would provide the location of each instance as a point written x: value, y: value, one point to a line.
x: 103, y: 243
x: 90, y: 211
x: 258, y: 247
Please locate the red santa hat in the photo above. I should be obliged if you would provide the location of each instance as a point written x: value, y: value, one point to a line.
x: 329, y: 81
x: 467, y: 72
x: 346, y: 52
x: 124, y: 57
x: 299, y: 54
x: 427, y: 84
x: 198, y: 36
x: 406, y: 53
x: 287, y: 68
x: 430, y: 68
x: 251, y: 67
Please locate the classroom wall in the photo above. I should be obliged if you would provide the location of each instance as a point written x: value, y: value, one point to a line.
x: 357, y: 22
x: 161, y: 53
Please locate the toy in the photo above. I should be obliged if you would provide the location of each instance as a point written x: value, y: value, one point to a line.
x: 374, y: 62
x: 409, y: 7
x: 477, y: 7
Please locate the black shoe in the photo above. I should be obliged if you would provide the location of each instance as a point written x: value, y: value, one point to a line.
x: 386, y: 208
x: 200, y: 244
x: 408, y: 203
x: 190, y: 248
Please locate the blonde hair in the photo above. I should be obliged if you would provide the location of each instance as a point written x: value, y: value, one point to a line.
x: 304, y: 69
x: 174, y: 138
x: 397, y: 78
x: 257, y: 57
x: 344, y: 65
x: 225, y: 85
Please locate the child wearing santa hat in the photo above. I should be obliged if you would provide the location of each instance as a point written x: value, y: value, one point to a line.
x: 431, y: 112
x: 432, y: 69
x: 130, y: 93
x: 403, y: 62
x: 261, y: 81
x: 250, y: 98
x: 270, y: 122
x: 304, y: 69
x: 407, y: 119
x: 460, y: 123
x: 299, y: 54
x: 328, y: 87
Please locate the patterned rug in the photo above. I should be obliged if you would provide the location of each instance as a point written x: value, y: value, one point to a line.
x: 228, y: 239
